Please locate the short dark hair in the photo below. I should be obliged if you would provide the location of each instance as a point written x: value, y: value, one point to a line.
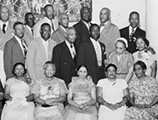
x: 27, y: 14
x: 45, y: 24
x: 16, y: 64
x: 110, y: 65
x: 17, y: 23
x: 92, y: 25
x: 134, y: 12
x: 144, y: 39
x: 45, y: 7
x: 142, y: 64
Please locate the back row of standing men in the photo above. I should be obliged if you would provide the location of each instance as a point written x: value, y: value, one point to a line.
x: 51, y: 38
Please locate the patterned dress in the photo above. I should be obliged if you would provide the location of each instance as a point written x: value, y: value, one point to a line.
x: 50, y: 89
x: 81, y: 94
x: 143, y: 92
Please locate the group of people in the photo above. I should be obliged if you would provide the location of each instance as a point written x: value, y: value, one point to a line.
x: 51, y: 71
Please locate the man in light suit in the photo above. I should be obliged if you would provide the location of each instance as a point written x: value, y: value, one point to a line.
x: 109, y: 31
x: 39, y: 51
x: 82, y: 27
x: 132, y: 31
x: 49, y: 18
x: 6, y: 28
x: 60, y: 33
x: 29, y: 24
x: 92, y: 55
x: 64, y: 55
x: 14, y: 50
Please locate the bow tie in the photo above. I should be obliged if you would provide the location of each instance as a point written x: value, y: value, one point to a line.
x: 102, y: 24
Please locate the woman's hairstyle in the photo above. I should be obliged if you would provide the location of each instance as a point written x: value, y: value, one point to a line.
x: 47, y: 63
x: 123, y: 41
x: 16, y: 64
x: 144, y: 39
x: 78, y: 68
x: 142, y: 64
x: 110, y: 65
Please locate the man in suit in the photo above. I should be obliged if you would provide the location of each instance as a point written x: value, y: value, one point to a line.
x: 49, y: 18
x: 109, y: 31
x: 92, y: 54
x: 64, y: 57
x: 82, y: 27
x: 132, y: 31
x: 29, y: 24
x: 6, y: 28
x: 39, y: 51
x: 60, y: 33
x: 15, y: 49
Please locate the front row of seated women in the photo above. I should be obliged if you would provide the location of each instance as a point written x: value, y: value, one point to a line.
x: 85, y: 101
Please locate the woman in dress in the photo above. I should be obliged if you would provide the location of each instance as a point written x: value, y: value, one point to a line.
x: 143, y: 95
x: 19, y: 105
x: 146, y: 54
x: 112, y: 94
x: 50, y: 93
x: 81, y: 97
x: 121, y: 58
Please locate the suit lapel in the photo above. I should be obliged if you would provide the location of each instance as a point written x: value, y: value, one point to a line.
x: 18, y: 46
x: 62, y: 33
x: 42, y: 50
x: 105, y: 30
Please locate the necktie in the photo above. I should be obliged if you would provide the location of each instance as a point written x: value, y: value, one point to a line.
x: 32, y: 31
x: 73, y: 50
x: 3, y: 29
x: 24, y: 46
x: 131, y: 35
x: 52, y: 25
x: 98, y: 54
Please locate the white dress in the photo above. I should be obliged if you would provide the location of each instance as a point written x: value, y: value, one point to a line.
x: 18, y: 108
x: 112, y: 93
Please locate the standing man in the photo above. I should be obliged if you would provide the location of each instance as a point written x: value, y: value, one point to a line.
x: 39, y: 51
x: 64, y: 55
x: 82, y: 27
x: 60, y: 34
x: 49, y: 18
x: 109, y: 31
x: 6, y: 28
x: 92, y: 54
x: 132, y: 31
x: 15, y: 49
x: 29, y: 24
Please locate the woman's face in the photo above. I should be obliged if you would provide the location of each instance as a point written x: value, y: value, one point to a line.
x: 120, y: 48
x: 111, y: 72
x: 82, y: 72
x: 50, y: 70
x: 139, y: 72
x: 140, y: 44
x: 19, y: 70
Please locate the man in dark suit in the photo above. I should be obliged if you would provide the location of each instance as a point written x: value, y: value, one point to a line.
x: 132, y: 31
x: 64, y: 57
x: 15, y: 50
x: 82, y: 27
x: 92, y: 54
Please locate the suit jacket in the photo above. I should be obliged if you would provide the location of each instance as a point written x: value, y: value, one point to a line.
x: 59, y: 35
x: 4, y: 37
x: 65, y: 65
x: 36, y: 57
x: 108, y: 36
x: 40, y: 22
x: 82, y: 33
x: 131, y: 43
x: 12, y: 54
x: 87, y: 56
x: 28, y: 36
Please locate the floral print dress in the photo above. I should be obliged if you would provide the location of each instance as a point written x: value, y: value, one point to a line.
x: 143, y: 92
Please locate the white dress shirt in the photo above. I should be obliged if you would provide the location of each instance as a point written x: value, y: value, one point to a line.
x: 45, y: 45
x: 87, y: 24
x: 130, y: 30
x: 72, y: 49
x: 102, y: 27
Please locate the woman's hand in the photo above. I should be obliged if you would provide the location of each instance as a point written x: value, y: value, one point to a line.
x: 49, y: 101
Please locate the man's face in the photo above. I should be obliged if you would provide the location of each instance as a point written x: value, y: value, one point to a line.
x: 4, y: 14
x: 30, y: 21
x: 64, y: 21
x: 45, y: 32
x: 95, y: 32
x: 71, y: 36
x: 19, y: 30
x: 49, y: 12
x: 86, y: 15
x: 134, y: 20
x: 104, y: 16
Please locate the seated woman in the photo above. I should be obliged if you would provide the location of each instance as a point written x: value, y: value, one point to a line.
x: 143, y: 95
x: 19, y: 105
x: 50, y: 93
x: 81, y: 97
x: 121, y: 58
x: 146, y: 54
x: 112, y: 94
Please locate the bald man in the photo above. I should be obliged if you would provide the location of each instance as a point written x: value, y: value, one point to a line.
x: 109, y: 31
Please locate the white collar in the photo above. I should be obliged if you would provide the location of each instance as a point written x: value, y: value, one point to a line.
x: 130, y: 29
x: 87, y: 24
x: 6, y: 23
x: 63, y: 28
